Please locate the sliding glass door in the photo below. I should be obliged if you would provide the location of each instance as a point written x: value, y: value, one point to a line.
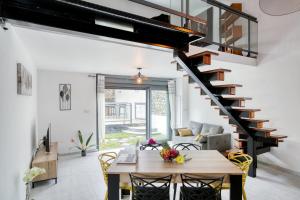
x: 129, y: 112
x: 160, y: 115
x: 125, y: 117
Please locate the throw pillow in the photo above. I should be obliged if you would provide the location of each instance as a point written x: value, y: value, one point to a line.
x: 198, y: 137
x: 195, y: 127
x: 184, y: 132
x: 205, y: 128
x: 176, y: 131
x: 203, y: 139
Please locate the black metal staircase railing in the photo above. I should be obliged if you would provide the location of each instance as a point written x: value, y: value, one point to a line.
x: 191, y: 67
x: 225, y: 27
x: 250, y: 130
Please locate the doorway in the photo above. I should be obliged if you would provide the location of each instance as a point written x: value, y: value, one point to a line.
x: 135, y: 115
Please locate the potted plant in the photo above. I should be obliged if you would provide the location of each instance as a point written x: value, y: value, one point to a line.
x: 29, y: 175
x: 83, y: 146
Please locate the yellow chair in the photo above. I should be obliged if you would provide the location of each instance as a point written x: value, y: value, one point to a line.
x: 106, y: 159
x: 243, y: 161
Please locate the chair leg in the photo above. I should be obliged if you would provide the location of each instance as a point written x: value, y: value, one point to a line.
x: 175, y: 189
x: 244, y: 194
x: 106, y: 196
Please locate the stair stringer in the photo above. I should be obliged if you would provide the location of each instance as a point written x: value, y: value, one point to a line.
x: 195, y: 74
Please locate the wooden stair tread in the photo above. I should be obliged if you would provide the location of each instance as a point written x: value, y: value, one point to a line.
x: 227, y: 85
x: 236, y: 98
x: 263, y: 129
x: 203, y: 53
x: 216, y: 70
x: 232, y: 40
x: 235, y: 30
x: 229, y: 20
x: 231, y: 98
x: 240, y: 140
x: 246, y: 109
x: 278, y: 136
x: 254, y: 120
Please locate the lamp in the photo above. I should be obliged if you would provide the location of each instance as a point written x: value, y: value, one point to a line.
x: 139, y: 78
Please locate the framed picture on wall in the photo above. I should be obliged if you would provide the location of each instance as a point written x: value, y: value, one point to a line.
x: 64, y: 97
x: 24, y: 78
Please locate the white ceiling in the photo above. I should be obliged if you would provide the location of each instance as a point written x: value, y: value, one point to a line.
x: 62, y: 52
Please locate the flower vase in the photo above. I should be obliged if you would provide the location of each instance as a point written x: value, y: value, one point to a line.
x: 27, y: 191
x: 83, y: 153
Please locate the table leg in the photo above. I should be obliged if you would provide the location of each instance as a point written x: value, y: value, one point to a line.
x: 235, y: 187
x: 113, y: 186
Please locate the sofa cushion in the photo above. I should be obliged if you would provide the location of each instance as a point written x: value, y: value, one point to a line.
x: 204, y: 137
x: 176, y: 131
x: 211, y: 129
x: 184, y: 132
x: 179, y: 139
x: 195, y: 127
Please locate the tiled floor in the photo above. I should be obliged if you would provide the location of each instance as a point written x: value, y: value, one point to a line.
x: 81, y: 179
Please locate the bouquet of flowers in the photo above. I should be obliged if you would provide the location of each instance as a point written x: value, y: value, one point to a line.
x: 170, y: 154
x: 29, y: 175
x: 152, y: 141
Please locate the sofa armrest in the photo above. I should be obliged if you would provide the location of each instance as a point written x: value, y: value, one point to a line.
x: 220, y: 142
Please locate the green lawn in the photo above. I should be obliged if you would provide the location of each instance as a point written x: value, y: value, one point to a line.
x: 117, y: 140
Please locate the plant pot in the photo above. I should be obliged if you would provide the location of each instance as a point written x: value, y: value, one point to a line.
x: 83, y: 153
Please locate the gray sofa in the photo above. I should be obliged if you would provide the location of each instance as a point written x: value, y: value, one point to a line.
x: 213, y: 136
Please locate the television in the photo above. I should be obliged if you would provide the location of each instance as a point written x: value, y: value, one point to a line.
x: 47, y: 139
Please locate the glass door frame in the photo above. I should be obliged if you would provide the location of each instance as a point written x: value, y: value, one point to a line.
x: 149, y: 112
x: 148, y: 91
x: 148, y: 88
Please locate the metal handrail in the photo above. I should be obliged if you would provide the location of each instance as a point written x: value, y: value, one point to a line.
x: 228, y: 8
x: 171, y: 11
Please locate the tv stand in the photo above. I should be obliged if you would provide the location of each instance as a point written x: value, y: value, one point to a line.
x: 48, y: 161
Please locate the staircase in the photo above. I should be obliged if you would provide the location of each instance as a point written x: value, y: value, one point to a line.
x: 79, y: 18
x: 250, y: 134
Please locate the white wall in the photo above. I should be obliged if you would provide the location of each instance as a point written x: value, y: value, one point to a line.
x: 182, y: 102
x: 65, y: 124
x: 17, y: 117
x: 274, y: 84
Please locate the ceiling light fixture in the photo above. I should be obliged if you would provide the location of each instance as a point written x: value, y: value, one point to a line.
x: 139, y: 78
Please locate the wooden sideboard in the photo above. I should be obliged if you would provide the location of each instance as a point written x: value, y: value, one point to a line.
x: 48, y: 161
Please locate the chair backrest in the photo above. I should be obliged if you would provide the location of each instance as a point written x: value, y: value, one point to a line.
x: 243, y: 161
x: 106, y: 159
x: 201, y: 188
x: 150, y: 188
x: 186, y: 146
x: 151, y: 147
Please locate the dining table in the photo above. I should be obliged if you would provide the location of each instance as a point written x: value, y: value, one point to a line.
x: 207, y: 163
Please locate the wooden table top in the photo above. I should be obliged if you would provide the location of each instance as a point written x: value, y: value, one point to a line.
x: 204, y: 162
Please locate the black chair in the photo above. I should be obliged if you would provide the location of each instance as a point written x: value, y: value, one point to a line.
x: 184, y: 146
x: 199, y: 188
x: 150, y: 188
x: 187, y: 146
x: 151, y: 147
